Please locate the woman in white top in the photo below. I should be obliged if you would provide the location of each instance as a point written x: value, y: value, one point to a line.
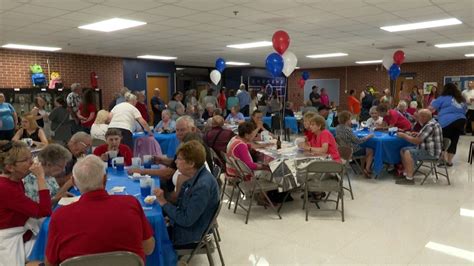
x: 123, y: 117
x: 375, y: 120
x: 100, y: 125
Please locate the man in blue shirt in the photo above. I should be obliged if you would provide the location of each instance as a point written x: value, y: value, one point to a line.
x: 198, y: 196
x: 244, y: 99
x: 157, y: 106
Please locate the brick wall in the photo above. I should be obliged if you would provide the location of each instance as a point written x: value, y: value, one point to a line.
x: 357, y: 77
x: 15, y: 73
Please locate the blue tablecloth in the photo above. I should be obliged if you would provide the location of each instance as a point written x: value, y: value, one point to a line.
x: 290, y: 122
x: 386, y: 148
x: 168, y: 142
x: 163, y: 254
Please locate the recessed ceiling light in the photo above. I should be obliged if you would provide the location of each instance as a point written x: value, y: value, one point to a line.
x: 422, y: 25
x: 469, y: 55
x: 250, y: 45
x: 452, y: 251
x: 180, y: 68
x: 230, y: 63
x: 369, y: 62
x: 30, y: 47
x: 297, y: 67
x: 454, y: 44
x: 157, y: 57
x: 326, y: 55
x: 466, y: 212
x: 113, y: 24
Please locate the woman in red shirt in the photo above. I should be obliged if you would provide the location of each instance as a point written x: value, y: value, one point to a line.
x: 87, y: 110
x: 15, y: 207
x: 323, y: 143
x: 393, y: 118
x: 308, y: 134
x: 221, y: 100
x: 113, y: 137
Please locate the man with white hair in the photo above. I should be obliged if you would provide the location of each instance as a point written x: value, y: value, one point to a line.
x: 209, y: 112
x: 244, y: 99
x: 429, y: 141
x: 98, y: 222
x: 184, y: 124
x: 123, y: 117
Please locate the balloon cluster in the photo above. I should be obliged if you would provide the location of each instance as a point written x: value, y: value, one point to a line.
x: 304, y: 77
x: 216, y: 73
x: 392, y: 63
x: 283, y: 60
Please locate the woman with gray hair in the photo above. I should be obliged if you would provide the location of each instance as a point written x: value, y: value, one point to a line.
x: 53, y: 158
x: 123, y: 117
x: 166, y: 124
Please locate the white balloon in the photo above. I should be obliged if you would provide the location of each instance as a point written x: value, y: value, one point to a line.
x: 289, y: 63
x: 387, y: 61
x: 215, y: 76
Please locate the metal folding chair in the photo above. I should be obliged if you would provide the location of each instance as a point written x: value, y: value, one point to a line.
x: 432, y: 165
x: 251, y: 187
x: 117, y: 258
x: 229, y: 179
x: 346, y: 155
x: 324, y: 176
x: 206, y: 245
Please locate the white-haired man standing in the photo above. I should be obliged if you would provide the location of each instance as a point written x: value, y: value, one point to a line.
x: 98, y: 222
x: 73, y: 101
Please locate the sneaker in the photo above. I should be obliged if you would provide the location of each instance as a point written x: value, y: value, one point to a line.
x: 443, y: 163
x: 405, y: 181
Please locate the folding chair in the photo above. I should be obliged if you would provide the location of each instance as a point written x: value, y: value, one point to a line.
x: 229, y: 179
x: 354, y: 158
x: 433, y: 164
x: 471, y: 152
x: 205, y: 245
x: 117, y: 258
x: 324, y: 176
x: 346, y: 155
x: 254, y: 185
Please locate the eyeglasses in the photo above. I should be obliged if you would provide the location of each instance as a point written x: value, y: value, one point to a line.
x: 85, y: 146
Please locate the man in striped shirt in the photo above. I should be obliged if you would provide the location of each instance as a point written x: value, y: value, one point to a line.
x: 429, y: 141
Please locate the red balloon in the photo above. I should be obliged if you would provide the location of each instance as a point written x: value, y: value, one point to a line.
x: 281, y: 41
x: 301, y: 82
x: 399, y: 57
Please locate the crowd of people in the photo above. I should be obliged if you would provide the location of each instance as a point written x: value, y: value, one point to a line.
x: 189, y: 194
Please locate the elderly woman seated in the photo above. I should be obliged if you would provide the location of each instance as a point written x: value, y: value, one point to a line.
x: 16, y: 208
x: 113, y: 148
x: 100, y: 126
x: 375, y: 121
x: 166, y: 124
x: 209, y: 112
x: 30, y: 130
x: 322, y: 142
x: 235, y: 116
x: 53, y: 158
x: 394, y: 118
x: 346, y: 138
x: 198, y: 197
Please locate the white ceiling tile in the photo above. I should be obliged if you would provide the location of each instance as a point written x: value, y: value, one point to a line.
x: 204, y: 5
x: 172, y: 11
x: 265, y: 6
x: 393, y: 6
x: 133, y: 5
x: 204, y: 17
x: 9, y: 4
x: 358, y: 12
x: 44, y: 11
x: 106, y: 11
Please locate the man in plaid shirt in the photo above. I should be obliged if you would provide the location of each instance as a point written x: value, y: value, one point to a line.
x: 429, y: 141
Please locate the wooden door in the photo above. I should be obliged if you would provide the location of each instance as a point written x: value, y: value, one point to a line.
x: 153, y: 82
x: 403, y: 88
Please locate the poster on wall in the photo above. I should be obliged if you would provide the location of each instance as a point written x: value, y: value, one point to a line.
x: 427, y: 86
x: 460, y: 81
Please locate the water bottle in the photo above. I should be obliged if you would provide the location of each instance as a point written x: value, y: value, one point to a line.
x: 278, y: 143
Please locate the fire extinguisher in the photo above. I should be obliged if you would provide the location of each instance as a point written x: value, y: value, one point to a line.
x: 94, y: 80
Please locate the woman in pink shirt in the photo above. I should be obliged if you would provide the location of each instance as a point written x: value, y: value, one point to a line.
x: 239, y: 148
x: 324, y: 142
x: 324, y: 97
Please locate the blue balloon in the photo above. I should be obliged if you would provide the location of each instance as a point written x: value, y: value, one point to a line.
x: 220, y: 64
x: 274, y: 64
x: 305, y: 75
x: 394, y: 71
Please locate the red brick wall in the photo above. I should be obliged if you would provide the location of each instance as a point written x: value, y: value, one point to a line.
x: 357, y: 77
x: 15, y: 73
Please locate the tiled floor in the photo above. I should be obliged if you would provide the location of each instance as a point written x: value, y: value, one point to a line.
x: 385, y: 224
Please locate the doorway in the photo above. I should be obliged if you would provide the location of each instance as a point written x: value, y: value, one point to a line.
x: 403, y: 88
x: 153, y: 82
